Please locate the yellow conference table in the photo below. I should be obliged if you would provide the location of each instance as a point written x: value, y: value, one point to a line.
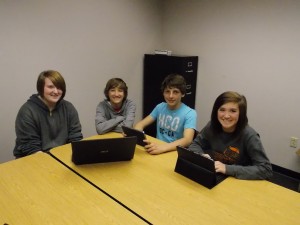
x: 148, y: 185
x: 39, y: 190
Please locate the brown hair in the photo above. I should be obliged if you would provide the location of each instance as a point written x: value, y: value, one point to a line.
x: 174, y: 81
x: 224, y: 98
x: 113, y: 83
x: 56, y: 79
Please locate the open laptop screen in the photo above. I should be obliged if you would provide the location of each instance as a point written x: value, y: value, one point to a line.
x: 137, y: 133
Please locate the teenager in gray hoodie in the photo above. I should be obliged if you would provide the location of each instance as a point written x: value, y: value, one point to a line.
x: 116, y: 110
x: 235, y: 147
x: 46, y: 120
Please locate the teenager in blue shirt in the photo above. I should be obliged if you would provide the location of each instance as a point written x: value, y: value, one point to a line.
x: 176, y: 122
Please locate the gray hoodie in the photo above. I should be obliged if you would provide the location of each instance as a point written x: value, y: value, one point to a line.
x: 242, y: 154
x: 107, y: 119
x: 39, y: 130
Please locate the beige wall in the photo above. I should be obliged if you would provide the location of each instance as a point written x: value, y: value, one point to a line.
x: 248, y: 46
x: 252, y: 47
x: 87, y: 41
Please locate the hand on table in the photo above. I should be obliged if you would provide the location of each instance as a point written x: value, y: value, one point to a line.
x: 220, y: 167
x: 154, y: 148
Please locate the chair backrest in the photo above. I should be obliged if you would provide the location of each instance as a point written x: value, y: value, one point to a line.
x: 196, y: 133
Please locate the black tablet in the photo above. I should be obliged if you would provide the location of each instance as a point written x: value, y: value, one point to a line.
x: 133, y: 132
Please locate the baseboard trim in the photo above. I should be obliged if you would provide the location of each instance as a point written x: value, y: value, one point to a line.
x: 286, y: 172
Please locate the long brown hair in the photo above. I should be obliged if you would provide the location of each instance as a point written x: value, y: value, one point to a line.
x: 230, y: 96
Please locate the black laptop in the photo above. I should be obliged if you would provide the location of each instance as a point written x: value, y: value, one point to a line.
x: 130, y: 132
x: 103, y: 150
x: 197, y: 168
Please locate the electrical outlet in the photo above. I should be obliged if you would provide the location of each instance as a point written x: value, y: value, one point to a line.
x: 294, y: 142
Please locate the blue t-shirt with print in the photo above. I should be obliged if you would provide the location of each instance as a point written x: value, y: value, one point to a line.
x: 170, y: 124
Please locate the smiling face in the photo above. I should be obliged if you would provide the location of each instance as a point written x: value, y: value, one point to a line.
x: 228, y: 116
x: 116, y: 92
x: 116, y: 97
x: 173, y: 97
x: 52, y: 94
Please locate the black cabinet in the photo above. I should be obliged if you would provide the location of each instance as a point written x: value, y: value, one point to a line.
x: 156, y: 68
